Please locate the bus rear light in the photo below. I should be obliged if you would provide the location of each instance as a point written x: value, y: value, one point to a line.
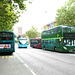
x: 13, y: 45
x: 0, y: 38
x: 7, y: 38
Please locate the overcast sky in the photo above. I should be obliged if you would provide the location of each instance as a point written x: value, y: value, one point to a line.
x: 38, y: 14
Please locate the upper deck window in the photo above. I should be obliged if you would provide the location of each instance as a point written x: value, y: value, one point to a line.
x: 68, y: 29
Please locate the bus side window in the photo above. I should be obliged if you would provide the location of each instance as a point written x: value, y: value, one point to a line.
x: 70, y: 42
x: 43, y: 42
x: 58, y: 29
x: 65, y: 42
x: 49, y: 42
x: 46, y: 41
x: 55, y: 30
x: 51, y: 31
x: 74, y: 42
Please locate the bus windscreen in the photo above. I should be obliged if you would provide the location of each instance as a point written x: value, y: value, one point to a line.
x: 6, y: 36
x: 3, y: 34
x: 23, y: 41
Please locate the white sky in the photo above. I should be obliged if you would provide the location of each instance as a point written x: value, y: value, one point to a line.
x: 38, y: 14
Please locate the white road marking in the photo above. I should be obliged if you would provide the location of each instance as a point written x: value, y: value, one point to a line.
x: 32, y: 72
x: 25, y: 65
x: 72, y: 54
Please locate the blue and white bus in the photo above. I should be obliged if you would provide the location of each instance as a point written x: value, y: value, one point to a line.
x: 23, y: 42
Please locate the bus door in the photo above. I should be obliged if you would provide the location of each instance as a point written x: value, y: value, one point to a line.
x: 44, y: 44
x: 48, y: 42
x: 51, y: 44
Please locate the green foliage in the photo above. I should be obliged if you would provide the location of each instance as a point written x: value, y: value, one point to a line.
x: 18, y: 37
x: 32, y: 33
x: 45, y: 27
x: 20, y: 3
x: 8, y: 15
x: 66, y: 15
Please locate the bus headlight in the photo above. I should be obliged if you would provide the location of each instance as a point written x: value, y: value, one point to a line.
x: 65, y: 48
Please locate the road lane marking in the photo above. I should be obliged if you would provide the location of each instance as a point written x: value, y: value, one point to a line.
x: 10, y: 56
x: 72, y: 54
x: 32, y: 72
x: 5, y: 56
x: 25, y: 65
x: 21, y: 61
x: 2, y: 56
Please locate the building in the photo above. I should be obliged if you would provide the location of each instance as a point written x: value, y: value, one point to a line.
x: 51, y: 25
x: 23, y: 35
x: 19, y: 31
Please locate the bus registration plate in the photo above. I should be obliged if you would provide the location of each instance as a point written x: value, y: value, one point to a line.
x: 2, y: 46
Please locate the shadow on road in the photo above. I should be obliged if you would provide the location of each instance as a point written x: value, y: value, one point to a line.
x: 58, y: 52
x: 5, y: 54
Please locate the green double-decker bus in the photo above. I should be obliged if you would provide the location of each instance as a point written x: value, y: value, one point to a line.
x: 7, y: 42
x: 60, y: 38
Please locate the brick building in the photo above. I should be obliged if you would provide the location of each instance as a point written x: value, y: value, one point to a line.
x: 19, y: 31
x: 51, y: 24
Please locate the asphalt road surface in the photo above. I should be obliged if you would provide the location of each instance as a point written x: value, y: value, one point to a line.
x: 32, y: 61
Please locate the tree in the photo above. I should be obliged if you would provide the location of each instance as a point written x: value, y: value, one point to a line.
x: 19, y: 2
x: 18, y: 37
x: 45, y: 27
x: 32, y: 33
x: 66, y: 15
x: 8, y: 15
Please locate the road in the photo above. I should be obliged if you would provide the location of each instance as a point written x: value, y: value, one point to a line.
x: 32, y: 61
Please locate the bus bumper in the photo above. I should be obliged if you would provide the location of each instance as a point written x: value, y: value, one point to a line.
x: 20, y: 46
x: 6, y: 50
x: 69, y: 49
